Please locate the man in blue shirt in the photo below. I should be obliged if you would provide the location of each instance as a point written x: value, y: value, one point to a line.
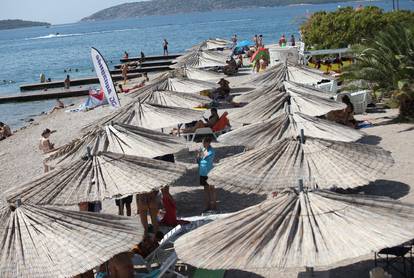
x: 205, y: 158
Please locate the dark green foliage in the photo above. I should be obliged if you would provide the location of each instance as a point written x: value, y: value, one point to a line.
x: 347, y: 26
x: 387, y: 63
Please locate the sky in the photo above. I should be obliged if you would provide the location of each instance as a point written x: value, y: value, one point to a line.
x: 54, y: 11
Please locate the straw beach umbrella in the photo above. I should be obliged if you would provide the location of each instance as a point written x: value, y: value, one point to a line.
x: 143, y: 142
x: 305, y: 75
x: 201, y: 74
x: 176, y: 99
x: 297, y: 230
x: 201, y: 59
x: 285, y: 125
x: 273, y: 100
x: 40, y: 242
x: 154, y: 116
x: 96, y: 178
x: 119, y: 138
x: 269, y: 77
x: 320, y: 163
x: 178, y: 84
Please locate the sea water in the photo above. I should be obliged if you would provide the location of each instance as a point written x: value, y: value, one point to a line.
x: 25, y: 53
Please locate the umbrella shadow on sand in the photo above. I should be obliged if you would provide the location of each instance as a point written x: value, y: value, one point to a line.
x: 191, y: 202
x: 359, y: 269
x: 383, y: 188
x: 370, y: 140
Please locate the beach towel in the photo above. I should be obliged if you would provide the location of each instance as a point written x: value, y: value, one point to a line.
x: 204, y: 273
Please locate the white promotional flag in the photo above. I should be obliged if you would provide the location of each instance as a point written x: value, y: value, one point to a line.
x: 105, y: 78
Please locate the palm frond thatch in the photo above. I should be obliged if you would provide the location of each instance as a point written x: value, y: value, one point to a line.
x: 119, y: 138
x: 284, y: 125
x: 42, y: 242
x: 295, y: 230
x: 320, y: 163
x: 103, y: 176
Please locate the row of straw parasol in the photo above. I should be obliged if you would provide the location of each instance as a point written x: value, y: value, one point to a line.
x: 300, y: 158
x: 114, y: 157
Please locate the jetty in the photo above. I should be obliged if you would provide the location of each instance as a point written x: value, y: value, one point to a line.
x: 74, y: 82
x: 152, y: 58
x: 148, y: 64
x: 44, y: 95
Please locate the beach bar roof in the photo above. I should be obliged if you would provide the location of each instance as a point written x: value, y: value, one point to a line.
x: 320, y: 163
x: 119, y: 138
x: 285, y: 125
x: 295, y: 230
x: 103, y: 176
x: 47, y: 242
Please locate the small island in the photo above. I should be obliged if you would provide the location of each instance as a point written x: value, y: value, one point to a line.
x: 18, y: 23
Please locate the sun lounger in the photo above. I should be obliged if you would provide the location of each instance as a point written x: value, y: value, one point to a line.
x: 222, y: 126
x: 359, y: 99
x: 162, y: 256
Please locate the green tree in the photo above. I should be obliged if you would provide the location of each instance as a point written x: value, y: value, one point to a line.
x: 387, y: 63
x: 347, y: 26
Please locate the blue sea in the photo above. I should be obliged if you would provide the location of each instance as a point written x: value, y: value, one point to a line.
x: 25, y: 53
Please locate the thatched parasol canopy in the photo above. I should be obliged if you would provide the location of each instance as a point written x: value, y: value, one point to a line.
x: 201, y: 74
x: 143, y: 142
x: 321, y: 163
x: 154, y: 116
x: 211, y: 44
x: 311, y: 102
x: 40, y: 242
x: 258, y: 92
x: 103, y: 176
x: 285, y: 125
x: 298, y: 230
x: 119, y: 138
x: 198, y: 58
x: 269, y: 77
x: 177, y: 84
x: 176, y: 99
x: 305, y: 75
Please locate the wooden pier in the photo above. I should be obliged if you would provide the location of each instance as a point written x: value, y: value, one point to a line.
x: 44, y: 95
x: 151, y: 64
x: 151, y: 58
x: 74, y: 82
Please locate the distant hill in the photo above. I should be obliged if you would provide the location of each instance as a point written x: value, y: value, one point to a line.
x: 17, y: 23
x: 163, y: 7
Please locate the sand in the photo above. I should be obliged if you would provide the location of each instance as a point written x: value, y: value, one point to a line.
x: 21, y: 160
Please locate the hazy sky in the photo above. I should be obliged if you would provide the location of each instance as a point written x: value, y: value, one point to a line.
x: 53, y: 11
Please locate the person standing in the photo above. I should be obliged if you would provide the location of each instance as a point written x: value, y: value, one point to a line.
x: 125, y: 73
x: 124, y: 203
x: 67, y: 82
x: 165, y: 45
x: 256, y: 41
x: 260, y: 41
x: 234, y: 40
x: 205, y: 158
x: 126, y: 55
x: 292, y: 40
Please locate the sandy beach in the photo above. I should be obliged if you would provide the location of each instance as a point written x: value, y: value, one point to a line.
x: 21, y: 160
